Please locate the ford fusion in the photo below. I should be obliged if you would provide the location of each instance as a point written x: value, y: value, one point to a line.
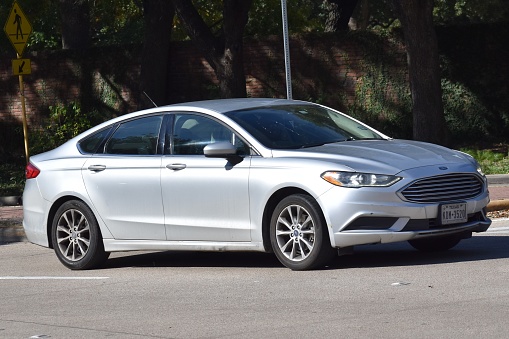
x: 294, y: 178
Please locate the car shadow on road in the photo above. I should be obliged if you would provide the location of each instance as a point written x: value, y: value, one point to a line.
x: 477, y: 248
x: 193, y: 259
x: 381, y: 255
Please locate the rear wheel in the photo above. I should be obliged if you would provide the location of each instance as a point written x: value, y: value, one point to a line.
x: 76, y: 237
x: 298, y: 233
x: 435, y: 244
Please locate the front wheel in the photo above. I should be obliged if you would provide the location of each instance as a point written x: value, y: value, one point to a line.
x: 76, y: 237
x: 298, y: 233
x: 435, y: 244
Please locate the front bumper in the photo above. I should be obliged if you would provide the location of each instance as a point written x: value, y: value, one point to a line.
x: 349, y: 238
x: 378, y: 215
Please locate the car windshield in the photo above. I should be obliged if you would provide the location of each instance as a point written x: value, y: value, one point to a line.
x: 299, y: 126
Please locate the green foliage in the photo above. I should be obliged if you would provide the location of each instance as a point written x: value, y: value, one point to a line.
x: 492, y: 161
x: 113, y: 22
x: 382, y: 95
x: 470, y: 11
x: 12, y: 178
x: 63, y: 123
x: 466, y: 116
x: 265, y: 17
x: 445, y: 12
x: 45, y: 18
x: 116, y: 22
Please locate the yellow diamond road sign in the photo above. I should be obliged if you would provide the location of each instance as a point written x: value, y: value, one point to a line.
x: 18, y: 28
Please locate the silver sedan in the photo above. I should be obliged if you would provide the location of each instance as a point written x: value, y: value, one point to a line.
x: 290, y: 177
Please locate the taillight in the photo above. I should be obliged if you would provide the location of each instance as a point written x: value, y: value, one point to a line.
x: 31, y: 171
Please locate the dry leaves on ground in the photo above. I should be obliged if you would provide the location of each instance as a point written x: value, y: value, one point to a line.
x: 498, y: 214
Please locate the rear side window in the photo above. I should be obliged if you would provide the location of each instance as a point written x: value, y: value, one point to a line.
x: 136, y: 137
x: 92, y: 143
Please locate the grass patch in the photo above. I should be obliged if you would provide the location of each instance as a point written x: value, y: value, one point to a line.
x: 494, y: 160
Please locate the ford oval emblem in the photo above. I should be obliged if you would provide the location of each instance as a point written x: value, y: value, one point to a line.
x: 443, y: 168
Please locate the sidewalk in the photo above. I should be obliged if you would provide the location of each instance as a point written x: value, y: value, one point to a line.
x: 11, y: 217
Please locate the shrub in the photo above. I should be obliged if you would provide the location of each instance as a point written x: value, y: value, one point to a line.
x: 64, y: 122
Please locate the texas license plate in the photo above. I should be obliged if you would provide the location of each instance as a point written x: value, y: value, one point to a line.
x: 453, y: 213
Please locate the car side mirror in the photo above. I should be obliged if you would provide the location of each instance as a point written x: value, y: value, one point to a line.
x: 222, y: 149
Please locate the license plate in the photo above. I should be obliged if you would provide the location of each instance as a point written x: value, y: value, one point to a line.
x: 453, y: 213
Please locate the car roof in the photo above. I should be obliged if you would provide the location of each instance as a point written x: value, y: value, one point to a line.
x: 219, y: 106
x: 228, y: 105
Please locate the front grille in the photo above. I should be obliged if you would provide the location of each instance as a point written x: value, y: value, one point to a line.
x: 450, y: 187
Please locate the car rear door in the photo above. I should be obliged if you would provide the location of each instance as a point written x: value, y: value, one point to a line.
x: 124, y: 181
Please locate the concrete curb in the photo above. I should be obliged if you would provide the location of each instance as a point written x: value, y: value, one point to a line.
x: 495, y: 180
x: 498, y: 179
x: 498, y: 205
x: 13, y: 200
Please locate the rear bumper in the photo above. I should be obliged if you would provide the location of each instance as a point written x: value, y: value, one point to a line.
x: 34, y: 214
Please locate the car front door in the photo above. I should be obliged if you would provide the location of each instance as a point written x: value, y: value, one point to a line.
x: 124, y: 181
x: 205, y: 199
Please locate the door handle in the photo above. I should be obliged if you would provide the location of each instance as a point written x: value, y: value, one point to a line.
x: 96, y: 168
x: 176, y: 167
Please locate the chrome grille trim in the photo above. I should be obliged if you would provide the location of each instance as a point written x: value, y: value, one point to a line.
x: 444, y: 188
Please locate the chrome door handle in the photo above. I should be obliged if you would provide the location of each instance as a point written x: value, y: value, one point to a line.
x: 96, y: 168
x: 176, y: 167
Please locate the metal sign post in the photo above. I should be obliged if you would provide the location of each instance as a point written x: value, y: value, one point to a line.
x: 18, y: 29
x: 287, y: 51
x: 23, y: 109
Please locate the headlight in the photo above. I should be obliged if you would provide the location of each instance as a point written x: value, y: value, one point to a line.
x: 479, y: 169
x: 354, y: 179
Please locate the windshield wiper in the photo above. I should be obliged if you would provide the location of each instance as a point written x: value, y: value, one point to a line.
x: 326, y: 142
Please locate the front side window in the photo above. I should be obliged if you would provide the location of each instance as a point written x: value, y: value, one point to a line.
x: 192, y: 132
x: 136, y: 137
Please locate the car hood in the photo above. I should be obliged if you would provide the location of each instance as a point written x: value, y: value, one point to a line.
x: 382, y: 156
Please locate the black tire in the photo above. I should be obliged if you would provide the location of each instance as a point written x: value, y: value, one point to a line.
x: 76, y: 237
x: 299, y: 235
x: 435, y: 244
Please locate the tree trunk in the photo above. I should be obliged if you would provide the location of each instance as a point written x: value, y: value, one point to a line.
x: 230, y: 70
x: 340, y: 12
x: 224, y: 53
x: 424, y: 71
x: 364, y: 15
x: 75, y: 16
x: 158, y: 17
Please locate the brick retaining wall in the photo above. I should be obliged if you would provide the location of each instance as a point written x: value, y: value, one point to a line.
x: 321, y: 66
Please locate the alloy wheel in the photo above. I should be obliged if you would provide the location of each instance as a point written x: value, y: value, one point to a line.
x: 73, y: 235
x: 295, y: 233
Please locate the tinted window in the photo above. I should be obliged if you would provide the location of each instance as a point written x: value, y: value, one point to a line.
x: 298, y: 126
x: 191, y: 133
x: 91, y: 143
x: 136, y: 137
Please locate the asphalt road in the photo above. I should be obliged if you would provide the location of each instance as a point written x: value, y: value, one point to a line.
x: 383, y: 291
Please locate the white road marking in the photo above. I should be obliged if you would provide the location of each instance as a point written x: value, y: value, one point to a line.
x: 503, y: 229
x: 52, y: 278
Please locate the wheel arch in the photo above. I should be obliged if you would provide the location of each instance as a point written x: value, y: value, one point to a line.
x: 53, y: 210
x: 271, y: 204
